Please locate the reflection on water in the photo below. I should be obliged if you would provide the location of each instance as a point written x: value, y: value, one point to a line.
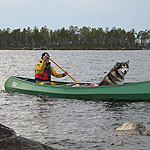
x: 70, y: 123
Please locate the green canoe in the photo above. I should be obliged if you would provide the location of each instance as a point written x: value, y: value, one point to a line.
x: 127, y: 91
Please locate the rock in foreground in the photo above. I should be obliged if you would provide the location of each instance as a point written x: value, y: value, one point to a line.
x: 136, y: 127
x: 10, y: 141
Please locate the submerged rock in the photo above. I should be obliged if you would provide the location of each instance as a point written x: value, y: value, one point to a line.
x: 10, y: 141
x: 135, y: 127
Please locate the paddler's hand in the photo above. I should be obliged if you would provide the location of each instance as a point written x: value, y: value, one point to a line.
x: 65, y: 73
x: 45, y: 57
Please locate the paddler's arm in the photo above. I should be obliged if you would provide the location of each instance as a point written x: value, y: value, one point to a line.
x: 57, y: 75
x: 40, y: 66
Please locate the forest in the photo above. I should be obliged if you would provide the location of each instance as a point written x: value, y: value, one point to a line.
x: 85, y: 38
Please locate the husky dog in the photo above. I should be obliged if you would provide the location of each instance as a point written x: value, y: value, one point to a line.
x: 116, y: 74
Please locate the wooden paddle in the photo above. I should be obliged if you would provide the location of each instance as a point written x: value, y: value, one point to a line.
x: 64, y: 71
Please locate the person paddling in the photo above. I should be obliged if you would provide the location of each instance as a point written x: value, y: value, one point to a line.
x: 44, y: 70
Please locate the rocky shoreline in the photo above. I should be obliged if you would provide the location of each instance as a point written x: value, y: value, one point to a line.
x: 10, y: 141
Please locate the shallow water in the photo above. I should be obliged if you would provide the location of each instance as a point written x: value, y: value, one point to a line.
x: 71, y: 123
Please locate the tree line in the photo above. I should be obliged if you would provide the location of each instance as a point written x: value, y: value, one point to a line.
x: 74, y: 38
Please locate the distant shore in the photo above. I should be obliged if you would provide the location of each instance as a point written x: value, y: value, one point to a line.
x: 74, y: 38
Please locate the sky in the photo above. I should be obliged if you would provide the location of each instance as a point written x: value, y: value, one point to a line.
x: 56, y: 14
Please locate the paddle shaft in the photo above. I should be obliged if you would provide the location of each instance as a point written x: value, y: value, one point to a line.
x: 62, y: 69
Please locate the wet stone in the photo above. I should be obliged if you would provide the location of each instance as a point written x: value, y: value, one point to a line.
x: 135, y: 127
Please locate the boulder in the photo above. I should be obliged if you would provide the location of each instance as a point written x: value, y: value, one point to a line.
x: 9, y: 140
x: 136, y: 127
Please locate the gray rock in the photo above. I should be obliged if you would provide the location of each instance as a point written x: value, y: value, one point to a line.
x: 135, y: 126
x: 6, y: 133
x: 10, y: 141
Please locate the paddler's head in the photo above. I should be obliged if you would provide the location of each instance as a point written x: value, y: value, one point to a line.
x: 46, y: 57
x: 45, y: 54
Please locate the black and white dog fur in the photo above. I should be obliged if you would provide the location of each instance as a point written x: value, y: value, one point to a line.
x: 116, y: 74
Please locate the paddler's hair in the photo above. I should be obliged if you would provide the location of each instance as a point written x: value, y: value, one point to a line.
x: 43, y: 54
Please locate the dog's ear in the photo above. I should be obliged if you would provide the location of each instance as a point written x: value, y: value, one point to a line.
x: 127, y: 62
x: 117, y: 64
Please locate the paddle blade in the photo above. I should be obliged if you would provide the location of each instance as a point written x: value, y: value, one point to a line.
x: 77, y: 81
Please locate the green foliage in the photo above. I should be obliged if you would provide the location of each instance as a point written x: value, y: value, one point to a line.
x: 74, y: 38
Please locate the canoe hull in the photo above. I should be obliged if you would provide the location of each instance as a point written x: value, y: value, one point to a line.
x: 129, y: 91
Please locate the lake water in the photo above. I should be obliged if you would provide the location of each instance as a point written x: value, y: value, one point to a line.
x: 70, y: 123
